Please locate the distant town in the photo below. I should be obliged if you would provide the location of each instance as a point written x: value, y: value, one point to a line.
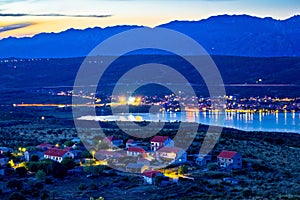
x: 173, y: 103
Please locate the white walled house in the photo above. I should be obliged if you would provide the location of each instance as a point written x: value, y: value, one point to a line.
x: 149, y: 175
x: 174, y: 154
x: 230, y: 159
x: 58, y: 154
x: 158, y: 142
x: 136, y: 151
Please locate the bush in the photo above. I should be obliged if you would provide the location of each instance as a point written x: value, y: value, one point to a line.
x: 16, y: 196
x: 82, y: 187
x: 183, y: 169
x: 21, y: 171
x: 44, y: 195
x: 68, y: 163
x: 14, y: 184
x: 34, y: 158
x: 58, y: 170
x: 40, y: 175
x: 93, y: 186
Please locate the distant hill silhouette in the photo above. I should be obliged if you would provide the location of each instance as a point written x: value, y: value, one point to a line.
x: 237, y: 35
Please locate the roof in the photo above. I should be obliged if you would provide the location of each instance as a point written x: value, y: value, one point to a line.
x: 45, y: 145
x: 151, y: 173
x: 159, y: 139
x: 136, y: 149
x: 227, y: 154
x: 56, y: 152
x: 170, y: 150
x: 130, y: 141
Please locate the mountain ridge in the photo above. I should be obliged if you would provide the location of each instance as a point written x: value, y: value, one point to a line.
x: 219, y: 35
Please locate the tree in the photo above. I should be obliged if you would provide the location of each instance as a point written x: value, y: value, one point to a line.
x: 40, y: 175
x: 68, y: 163
x: 157, y: 180
x: 86, y: 154
x: 14, y: 184
x: 53, y: 194
x: 183, y: 169
x: 16, y: 196
x: 34, y: 158
x: 58, y: 170
x: 44, y: 195
x: 69, y: 143
x: 82, y: 186
x: 21, y: 171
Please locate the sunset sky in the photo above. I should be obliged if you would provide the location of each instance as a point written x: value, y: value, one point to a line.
x: 28, y: 17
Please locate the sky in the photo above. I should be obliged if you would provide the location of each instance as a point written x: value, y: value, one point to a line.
x: 19, y: 18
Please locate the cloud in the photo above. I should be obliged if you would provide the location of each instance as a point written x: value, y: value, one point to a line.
x: 49, y: 15
x: 14, y: 26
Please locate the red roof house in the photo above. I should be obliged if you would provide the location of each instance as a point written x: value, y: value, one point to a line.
x: 114, y: 140
x: 229, y: 159
x: 58, y: 154
x: 45, y: 146
x: 158, y: 142
x: 149, y: 175
x: 136, y: 151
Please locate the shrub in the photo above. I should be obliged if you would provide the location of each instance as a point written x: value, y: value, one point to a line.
x: 16, y: 196
x: 68, y: 163
x: 21, y: 171
x: 82, y: 187
x: 14, y: 184
x: 34, y: 158
x: 40, y: 175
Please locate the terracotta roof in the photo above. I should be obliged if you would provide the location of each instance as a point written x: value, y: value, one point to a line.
x: 151, y: 173
x: 227, y: 154
x: 159, y: 139
x: 130, y: 141
x: 169, y: 150
x: 44, y: 145
x: 56, y: 152
x: 136, y: 149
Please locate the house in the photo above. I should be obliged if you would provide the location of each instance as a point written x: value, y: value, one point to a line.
x: 136, y: 151
x: 28, y: 155
x: 131, y: 143
x: 201, y: 160
x: 5, y: 150
x: 149, y: 175
x: 76, y: 140
x: 136, y: 168
x: 3, y: 160
x: 58, y: 154
x: 173, y: 154
x: 230, y: 159
x: 45, y: 146
x: 114, y: 140
x: 158, y: 142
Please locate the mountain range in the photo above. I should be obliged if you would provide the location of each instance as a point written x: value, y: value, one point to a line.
x: 231, y: 35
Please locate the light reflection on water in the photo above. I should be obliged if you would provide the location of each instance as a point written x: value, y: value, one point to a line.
x: 271, y: 122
